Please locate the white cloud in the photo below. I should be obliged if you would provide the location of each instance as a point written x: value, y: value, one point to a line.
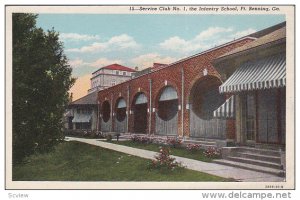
x: 103, y: 62
x: 77, y: 62
x: 147, y: 60
x: 243, y: 33
x: 206, y: 39
x: 211, y: 32
x: 78, y: 37
x: 119, y: 42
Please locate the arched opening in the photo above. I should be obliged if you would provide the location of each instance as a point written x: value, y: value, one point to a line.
x: 105, y: 117
x: 140, y: 113
x: 105, y: 111
x: 204, y: 99
x: 120, y: 111
x: 167, y: 114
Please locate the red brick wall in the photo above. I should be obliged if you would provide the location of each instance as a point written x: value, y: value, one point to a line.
x: 193, y: 70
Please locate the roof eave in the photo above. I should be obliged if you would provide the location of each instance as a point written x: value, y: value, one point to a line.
x: 249, y: 50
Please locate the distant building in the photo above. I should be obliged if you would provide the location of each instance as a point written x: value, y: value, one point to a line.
x: 155, y: 67
x: 82, y: 113
x: 109, y: 76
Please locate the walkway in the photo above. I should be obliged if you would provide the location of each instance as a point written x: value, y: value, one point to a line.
x: 210, y: 168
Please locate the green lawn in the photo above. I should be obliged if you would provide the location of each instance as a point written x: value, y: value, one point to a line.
x: 74, y: 161
x: 180, y: 151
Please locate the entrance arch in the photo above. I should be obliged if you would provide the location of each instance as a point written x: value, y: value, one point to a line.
x: 140, y: 116
x: 106, y: 117
x: 167, y: 112
x: 204, y: 99
x: 121, y: 115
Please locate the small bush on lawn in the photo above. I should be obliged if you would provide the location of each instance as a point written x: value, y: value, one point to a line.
x: 163, y: 161
x: 174, y: 142
x: 141, y: 139
x: 109, y: 137
x: 193, y: 147
x: 212, y: 152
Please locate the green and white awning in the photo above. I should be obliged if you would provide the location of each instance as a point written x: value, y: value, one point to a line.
x: 269, y: 72
x: 169, y: 93
x: 141, y: 99
x: 121, y: 103
x: 226, y: 110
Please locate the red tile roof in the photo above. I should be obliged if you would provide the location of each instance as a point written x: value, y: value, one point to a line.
x: 116, y: 67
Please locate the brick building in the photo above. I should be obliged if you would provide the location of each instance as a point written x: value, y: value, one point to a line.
x: 178, y: 99
x: 171, y: 100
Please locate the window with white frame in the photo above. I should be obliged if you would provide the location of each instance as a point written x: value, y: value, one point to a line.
x: 124, y: 73
x: 117, y: 72
x: 113, y: 82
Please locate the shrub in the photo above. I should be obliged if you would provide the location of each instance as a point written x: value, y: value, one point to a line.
x: 174, y: 142
x: 164, y: 161
x: 86, y: 134
x: 141, y: 139
x: 193, y: 147
x: 109, y: 137
x: 212, y: 152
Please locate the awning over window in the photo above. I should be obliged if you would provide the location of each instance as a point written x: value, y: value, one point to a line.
x: 141, y: 99
x: 226, y: 110
x: 121, y: 103
x: 261, y: 74
x: 169, y: 93
x: 81, y: 118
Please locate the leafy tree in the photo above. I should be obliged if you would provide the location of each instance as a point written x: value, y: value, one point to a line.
x: 41, y: 80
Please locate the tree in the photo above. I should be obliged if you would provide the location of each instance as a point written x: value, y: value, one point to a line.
x: 41, y: 80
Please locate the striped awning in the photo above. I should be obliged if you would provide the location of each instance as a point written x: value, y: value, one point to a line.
x: 121, y: 103
x: 261, y: 74
x: 226, y: 110
x: 169, y: 93
x: 81, y: 118
x: 141, y: 99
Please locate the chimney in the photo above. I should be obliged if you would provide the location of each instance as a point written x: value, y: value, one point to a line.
x: 71, y: 97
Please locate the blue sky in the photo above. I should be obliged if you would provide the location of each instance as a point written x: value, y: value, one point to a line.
x: 95, y: 40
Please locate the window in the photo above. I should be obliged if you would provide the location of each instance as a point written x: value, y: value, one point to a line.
x: 124, y: 73
x: 113, y: 82
x: 117, y: 72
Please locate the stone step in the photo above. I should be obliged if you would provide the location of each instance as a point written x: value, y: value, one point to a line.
x: 261, y: 151
x: 268, y: 158
x: 201, y: 142
x: 255, y: 162
x: 257, y: 168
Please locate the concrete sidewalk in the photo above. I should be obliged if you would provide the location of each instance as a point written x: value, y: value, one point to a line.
x: 210, y: 168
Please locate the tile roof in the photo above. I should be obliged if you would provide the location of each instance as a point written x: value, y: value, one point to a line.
x: 116, y: 67
x: 90, y: 99
x: 268, y: 38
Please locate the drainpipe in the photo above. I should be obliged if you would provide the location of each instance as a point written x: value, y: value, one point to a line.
x: 111, y: 113
x: 182, y: 100
x: 98, y: 115
x: 128, y: 107
x: 150, y: 105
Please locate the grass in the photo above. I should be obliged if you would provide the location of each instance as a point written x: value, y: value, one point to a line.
x: 74, y: 161
x: 179, y: 151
